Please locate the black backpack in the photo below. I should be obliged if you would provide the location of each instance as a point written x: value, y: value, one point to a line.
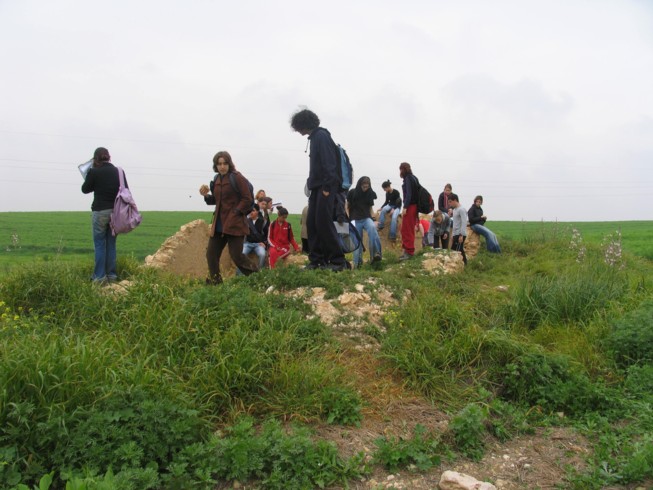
x: 425, y: 204
x: 234, y: 186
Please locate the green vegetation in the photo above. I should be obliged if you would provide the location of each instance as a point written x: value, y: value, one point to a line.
x: 637, y: 236
x: 172, y: 384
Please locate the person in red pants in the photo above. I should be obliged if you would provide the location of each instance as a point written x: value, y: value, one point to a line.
x: 409, y: 214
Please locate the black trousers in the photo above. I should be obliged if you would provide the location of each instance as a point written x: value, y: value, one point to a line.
x: 440, y: 242
x: 459, y: 247
x: 323, y: 243
x: 217, y: 243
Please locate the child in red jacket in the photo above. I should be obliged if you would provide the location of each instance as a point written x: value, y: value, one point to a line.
x: 280, y: 237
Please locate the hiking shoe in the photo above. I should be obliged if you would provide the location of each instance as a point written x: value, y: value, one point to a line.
x: 312, y: 267
x: 405, y: 256
x: 338, y: 267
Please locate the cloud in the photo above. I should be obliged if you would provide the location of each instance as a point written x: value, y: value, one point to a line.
x: 524, y: 102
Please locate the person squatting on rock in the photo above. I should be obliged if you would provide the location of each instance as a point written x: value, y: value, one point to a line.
x: 323, y: 183
x: 103, y: 181
x: 229, y: 226
x: 438, y: 235
x: 459, y: 226
x: 360, y: 202
x: 391, y: 204
x: 281, y: 237
x: 256, y: 240
x: 409, y: 214
x: 477, y: 222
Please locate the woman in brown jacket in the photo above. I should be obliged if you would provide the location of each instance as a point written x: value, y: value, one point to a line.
x: 229, y: 226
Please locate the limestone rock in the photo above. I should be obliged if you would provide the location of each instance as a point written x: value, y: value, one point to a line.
x: 452, y: 480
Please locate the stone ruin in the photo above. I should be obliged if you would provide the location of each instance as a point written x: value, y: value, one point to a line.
x: 184, y: 253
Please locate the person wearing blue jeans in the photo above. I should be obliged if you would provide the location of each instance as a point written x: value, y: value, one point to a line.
x: 255, y: 241
x: 105, y: 247
x: 103, y: 181
x: 360, y: 202
x: 392, y: 204
x: 477, y: 222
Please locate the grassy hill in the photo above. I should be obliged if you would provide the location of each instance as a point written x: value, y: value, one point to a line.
x: 306, y: 379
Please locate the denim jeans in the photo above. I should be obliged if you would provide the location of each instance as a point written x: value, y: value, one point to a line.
x: 490, y: 238
x: 393, y: 223
x: 373, y: 241
x: 105, y: 246
x: 258, y: 249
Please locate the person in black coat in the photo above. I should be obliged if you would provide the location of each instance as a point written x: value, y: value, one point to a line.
x: 324, y: 186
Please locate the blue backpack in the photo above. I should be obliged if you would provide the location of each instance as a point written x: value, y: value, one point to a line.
x: 346, y: 169
x: 349, y: 240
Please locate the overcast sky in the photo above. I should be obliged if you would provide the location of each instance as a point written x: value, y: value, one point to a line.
x: 543, y: 107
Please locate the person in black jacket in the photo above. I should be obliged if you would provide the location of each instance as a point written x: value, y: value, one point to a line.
x: 103, y: 181
x: 256, y: 240
x: 323, y: 183
x: 392, y: 204
x: 360, y: 202
x: 477, y: 222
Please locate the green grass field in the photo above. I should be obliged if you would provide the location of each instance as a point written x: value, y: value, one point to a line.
x: 43, y: 236
x: 173, y: 384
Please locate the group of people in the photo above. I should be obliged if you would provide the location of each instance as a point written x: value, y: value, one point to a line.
x: 241, y: 222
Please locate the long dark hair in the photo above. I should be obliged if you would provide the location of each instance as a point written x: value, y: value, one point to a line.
x: 227, y: 158
x: 404, y: 169
x: 100, y: 156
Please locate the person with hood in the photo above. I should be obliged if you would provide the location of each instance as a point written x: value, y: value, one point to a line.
x: 103, y: 181
x: 323, y: 186
x: 229, y: 226
x: 477, y: 222
x: 409, y: 214
x: 360, y: 203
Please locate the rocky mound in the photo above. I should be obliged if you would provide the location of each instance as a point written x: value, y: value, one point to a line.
x: 184, y: 253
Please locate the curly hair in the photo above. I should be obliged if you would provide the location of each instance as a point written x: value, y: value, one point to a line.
x: 227, y: 158
x: 304, y: 120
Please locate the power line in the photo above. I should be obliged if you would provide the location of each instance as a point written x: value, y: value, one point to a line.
x: 294, y: 150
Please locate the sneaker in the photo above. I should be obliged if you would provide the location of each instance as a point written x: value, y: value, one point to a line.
x: 338, y: 267
x: 405, y: 256
x: 376, y: 258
